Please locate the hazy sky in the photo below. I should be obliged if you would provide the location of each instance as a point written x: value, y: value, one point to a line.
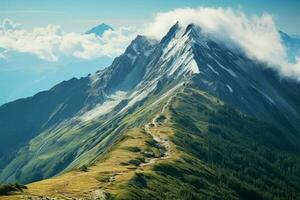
x: 80, y: 15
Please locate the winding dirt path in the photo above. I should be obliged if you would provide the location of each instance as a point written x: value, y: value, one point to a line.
x: 162, y: 141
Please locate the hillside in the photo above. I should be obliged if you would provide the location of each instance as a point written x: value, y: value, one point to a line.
x: 214, y: 152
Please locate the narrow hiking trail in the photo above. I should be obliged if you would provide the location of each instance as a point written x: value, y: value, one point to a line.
x: 163, y: 142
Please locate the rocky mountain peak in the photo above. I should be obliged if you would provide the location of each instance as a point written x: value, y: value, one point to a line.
x: 171, y: 34
x: 140, y: 45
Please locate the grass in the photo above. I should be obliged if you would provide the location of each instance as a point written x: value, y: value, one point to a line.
x: 217, y: 153
x: 112, y: 171
x: 223, y: 154
x: 80, y: 183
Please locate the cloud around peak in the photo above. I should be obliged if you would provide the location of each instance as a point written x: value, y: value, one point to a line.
x: 256, y: 35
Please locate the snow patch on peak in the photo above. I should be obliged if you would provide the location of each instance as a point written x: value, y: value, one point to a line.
x: 193, y: 67
x: 178, y: 55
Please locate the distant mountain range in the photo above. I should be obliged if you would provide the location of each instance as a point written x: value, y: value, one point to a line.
x: 181, y: 118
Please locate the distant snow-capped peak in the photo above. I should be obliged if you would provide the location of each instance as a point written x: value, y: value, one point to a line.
x: 99, y: 29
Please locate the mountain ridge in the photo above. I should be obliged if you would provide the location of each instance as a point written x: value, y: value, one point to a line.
x: 91, y: 114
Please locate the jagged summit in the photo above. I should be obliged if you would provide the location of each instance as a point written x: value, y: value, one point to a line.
x: 192, y: 31
x: 185, y: 53
x: 140, y: 45
x: 171, y: 33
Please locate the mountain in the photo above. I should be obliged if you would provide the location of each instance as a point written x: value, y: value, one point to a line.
x: 99, y: 30
x: 186, y: 112
x: 292, y: 44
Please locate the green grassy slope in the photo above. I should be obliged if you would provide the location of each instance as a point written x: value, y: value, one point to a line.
x: 224, y: 155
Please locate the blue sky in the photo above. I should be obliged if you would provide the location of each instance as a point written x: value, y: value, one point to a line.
x: 80, y: 15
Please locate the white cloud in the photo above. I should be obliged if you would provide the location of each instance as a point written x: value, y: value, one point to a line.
x: 257, y: 35
x: 51, y: 42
